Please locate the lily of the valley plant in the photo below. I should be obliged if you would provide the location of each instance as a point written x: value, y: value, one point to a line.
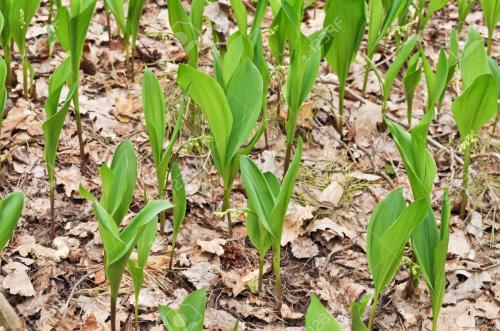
x: 268, y: 201
x: 187, y: 27
x: 179, y: 210
x: 154, y: 111
x: 430, y: 245
x: 491, y: 13
x: 118, y: 182
x: 464, y: 8
x: 427, y: 8
x: 52, y: 127
x: 478, y: 102
x: 20, y: 15
x: 71, y: 27
x: 411, y: 79
x: 189, y: 316
x: 232, y: 113
x: 128, y: 25
x: 343, y: 41
x: 6, y: 36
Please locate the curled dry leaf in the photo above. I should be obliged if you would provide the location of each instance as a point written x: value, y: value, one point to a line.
x: 17, y: 280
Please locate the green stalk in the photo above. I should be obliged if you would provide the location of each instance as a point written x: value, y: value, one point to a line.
x: 261, y: 271
x: 465, y: 179
x: 172, y: 253
x: 8, y: 59
x: 277, y: 274
x: 365, y: 80
x: 409, y: 112
x: 132, y: 56
x: 52, y: 195
x: 372, y: 313
x: 434, y: 322
x: 225, y: 206
x: 136, y: 310
x: 25, y: 76
x: 113, y: 313
x: 76, y: 103
x: 340, y: 118
x: 490, y: 42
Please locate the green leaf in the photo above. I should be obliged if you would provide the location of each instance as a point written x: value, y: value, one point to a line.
x: 411, y: 80
x: 21, y: 13
x: 398, y: 63
x: 474, y: 61
x: 476, y: 106
x: 209, y: 96
x: 3, y: 90
x: 11, y: 208
x: 240, y: 13
x: 285, y: 28
x: 491, y: 13
x: 380, y: 22
x: 244, y: 95
x: 346, y: 40
x: 184, y: 29
x: 5, y: 35
x: 116, y: 8
x: 357, y: 309
x: 239, y: 49
x: 189, y: 316
x: 318, y: 318
x: 179, y: 200
x: 134, y: 13
x: 436, y: 81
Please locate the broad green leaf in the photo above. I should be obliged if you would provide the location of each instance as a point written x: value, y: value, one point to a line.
x: 244, y: 95
x: 436, y: 81
x: 21, y: 13
x: 154, y: 112
x: 491, y: 13
x: 318, y: 318
x: 189, y: 316
x: 134, y: 13
x: 398, y: 63
x: 11, y: 208
x: 357, y: 308
x: 411, y: 80
x: 474, y: 61
x: 196, y: 15
x: 239, y: 49
x: 476, y: 106
x: 347, y: 38
x: 209, y: 96
x: 240, y: 13
x: 184, y: 30
x: 285, y: 28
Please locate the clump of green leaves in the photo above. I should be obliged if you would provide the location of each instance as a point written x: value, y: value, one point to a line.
x: 187, y: 27
x: 11, y: 208
x: 318, y: 318
x: 71, y: 27
x: 189, y: 316
x: 118, y: 182
x: 128, y: 25
x: 478, y: 102
x: 380, y: 19
x: 343, y: 41
x: 20, y: 15
x: 154, y: 110
x: 491, y: 13
x: 391, y: 225
x: 232, y: 112
x: 427, y: 8
x: 52, y: 127
x: 430, y: 245
x: 268, y: 201
x: 301, y: 76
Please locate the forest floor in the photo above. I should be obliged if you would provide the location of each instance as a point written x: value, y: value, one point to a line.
x: 60, y: 284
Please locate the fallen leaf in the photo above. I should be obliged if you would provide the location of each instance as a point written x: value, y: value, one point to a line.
x: 304, y: 248
x: 202, y: 274
x: 294, y: 221
x: 17, y: 280
x: 214, y: 246
x: 332, y: 194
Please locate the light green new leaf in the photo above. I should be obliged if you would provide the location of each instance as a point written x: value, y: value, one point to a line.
x: 239, y: 49
x: 11, y: 208
x: 3, y: 90
x: 209, y: 96
x: 179, y: 201
x: 411, y: 80
x: 380, y: 21
x: 476, y: 106
x: 5, y: 35
x: 116, y: 8
x: 21, y: 13
x: 464, y: 8
x: 189, y: 316
x: 134, y: 13
x: 285, y: 28
x: 436, y: 81
x: 318, y: 318
x: 474, y: 60
x: 357, y: 309
x: 241, y: 15
x: 491, y: 13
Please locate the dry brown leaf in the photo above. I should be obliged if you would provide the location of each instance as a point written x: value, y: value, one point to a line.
x: 202, y: 274
x: 332, y: 194
x: 294, y: 221
x: 17, y: 280
x: 214, y: 246
x: 304, y: 248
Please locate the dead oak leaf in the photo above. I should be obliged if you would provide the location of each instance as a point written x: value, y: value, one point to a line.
x: 304, y: 248
x: 17, y: 280
x: 294, y: 222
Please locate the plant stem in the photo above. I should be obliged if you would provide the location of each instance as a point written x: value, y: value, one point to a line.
x: 25, y: 76
x: 277, y: 274
x: 372, y: 313
x: 261, y: 271
x: 132, y: 56
x: 340, y: 118
x: 136, y: 310
x: 490, y: 42
x: 113, y: 313
x: 288, y: 157
x: 8, y: 59
x: 434, y: 322
x: 52, y: 206
x: 409, y: 112
x: 172, y: 254
x: 76, y: 103
x: 465, y: 179
x: 225, y: 206
x: 8, y: 316
x: 365, y: 80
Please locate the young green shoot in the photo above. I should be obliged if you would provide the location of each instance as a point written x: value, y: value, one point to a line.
x: 430, y: 245
x: 437, y: 81
x: 357, y: 309
x: 118, y: 182
x: 411, y: 80
x: 189, y: 316
x: 380, y: 19
x: 318, y: 318
x: 301, y: 76
x: 128, y: 26
x: 71, y: 27
x: 491, y: 14
x: 187, y: 27
x: 52, y: 127
x: 232, y: 113
x: 269, y: 200
x: 153, y: 102
x: 344, y: 24
x: 425, y: 13
x: 464, y: 8
x: 20, y: 15
x: 179, y: 211
x: 6, y: 36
